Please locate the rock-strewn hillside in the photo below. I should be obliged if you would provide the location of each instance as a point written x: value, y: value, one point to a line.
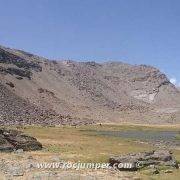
x: 36, y: 90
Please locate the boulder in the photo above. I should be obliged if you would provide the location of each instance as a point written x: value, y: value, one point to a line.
x: 13, y: 140
x: 162, y: 155
x: 5, y: 145
x: 168, y: 171
x: 143, y: 159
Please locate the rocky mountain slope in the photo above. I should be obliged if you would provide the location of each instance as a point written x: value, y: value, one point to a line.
x: 35, y: 90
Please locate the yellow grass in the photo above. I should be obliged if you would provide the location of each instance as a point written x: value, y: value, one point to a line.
x: 82, y: 144
x: 79, y: 144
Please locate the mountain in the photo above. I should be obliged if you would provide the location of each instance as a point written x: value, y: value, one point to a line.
x: 35, y: 90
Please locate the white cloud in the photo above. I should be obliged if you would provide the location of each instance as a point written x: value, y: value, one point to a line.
x: 173, y: 81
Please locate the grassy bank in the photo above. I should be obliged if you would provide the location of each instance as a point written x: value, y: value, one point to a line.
x: 83, y: 144
x: 86, y: 145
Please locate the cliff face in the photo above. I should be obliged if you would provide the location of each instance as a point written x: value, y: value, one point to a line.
x: 37, y: 90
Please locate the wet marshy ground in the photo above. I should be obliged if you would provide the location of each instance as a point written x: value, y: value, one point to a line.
x: 167, y: 138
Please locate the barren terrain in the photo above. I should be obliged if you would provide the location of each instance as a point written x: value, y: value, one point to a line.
x: 35, y: 90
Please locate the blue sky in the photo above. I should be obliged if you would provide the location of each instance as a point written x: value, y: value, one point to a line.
x: 133, y: 31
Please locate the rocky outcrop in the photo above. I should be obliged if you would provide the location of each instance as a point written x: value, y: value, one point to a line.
x: 19, y: 72
x: 11, y: 140
x: 9, y: 57
x: 143, y: 159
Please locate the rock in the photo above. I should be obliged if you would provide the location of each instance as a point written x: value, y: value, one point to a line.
x: 19, y: 151
x: 144, y: 159
x: 10, y: 84
x: 155, y: 171
x: 19, y: 72
x: 30, y: 165
x: 12, y: 139
x: 19, y: 77
x: 5, y: 146
x: 15, y: 170
x: 56, y: 159
x: 25, y: 142
x: 30, y: 158
x: 169, y: 171
x: 152, y: 166
x: 162, y: 155
x: 2, y: 164
x: 7, y: 56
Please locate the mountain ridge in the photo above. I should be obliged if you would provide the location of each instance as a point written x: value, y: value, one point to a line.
x: 70, y: 92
